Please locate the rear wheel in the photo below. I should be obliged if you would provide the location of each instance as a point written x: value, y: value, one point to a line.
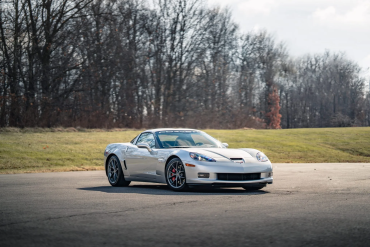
x: 175, y: 175
x: 115, y: 174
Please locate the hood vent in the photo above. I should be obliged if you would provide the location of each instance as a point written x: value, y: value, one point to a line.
x: 237, y: 160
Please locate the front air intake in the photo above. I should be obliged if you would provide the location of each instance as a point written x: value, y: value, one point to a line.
x: 238, y: 176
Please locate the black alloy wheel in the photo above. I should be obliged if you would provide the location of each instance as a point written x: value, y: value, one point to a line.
x: 175, y: 175
x: 115, y: 174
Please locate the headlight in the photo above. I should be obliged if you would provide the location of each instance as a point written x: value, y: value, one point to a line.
x: 261, y: 157
x: 201, y: 157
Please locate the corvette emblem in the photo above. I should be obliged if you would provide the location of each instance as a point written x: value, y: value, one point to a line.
x: 238, y: 160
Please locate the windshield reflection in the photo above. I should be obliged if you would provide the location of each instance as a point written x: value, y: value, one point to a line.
x: 185, y: 139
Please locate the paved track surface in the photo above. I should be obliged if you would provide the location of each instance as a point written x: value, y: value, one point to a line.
x: 308, y: 205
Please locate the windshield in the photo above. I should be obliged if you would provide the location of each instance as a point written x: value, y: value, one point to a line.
x: 185, y: 138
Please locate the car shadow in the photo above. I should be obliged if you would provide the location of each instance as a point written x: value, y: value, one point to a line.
x: 162, y: 189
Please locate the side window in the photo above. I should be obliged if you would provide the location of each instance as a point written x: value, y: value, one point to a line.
x: 133, y: 140
x: 147, y: 138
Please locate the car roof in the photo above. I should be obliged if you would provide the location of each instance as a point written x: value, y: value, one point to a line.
x: 164, y: 129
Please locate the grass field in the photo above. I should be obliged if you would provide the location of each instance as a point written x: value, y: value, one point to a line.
x: 44, y: 151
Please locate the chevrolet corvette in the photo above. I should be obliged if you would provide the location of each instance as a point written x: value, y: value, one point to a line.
x: 185, y: 157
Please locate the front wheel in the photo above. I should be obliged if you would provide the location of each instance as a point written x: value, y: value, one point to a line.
x: 175, y: 175
x: 115, y: 174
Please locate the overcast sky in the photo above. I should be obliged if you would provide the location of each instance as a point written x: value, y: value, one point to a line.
x: 309, y: 26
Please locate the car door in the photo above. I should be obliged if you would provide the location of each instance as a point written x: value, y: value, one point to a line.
x: 140, y: 162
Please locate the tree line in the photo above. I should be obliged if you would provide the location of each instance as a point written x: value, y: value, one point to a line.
x: 162, y: 63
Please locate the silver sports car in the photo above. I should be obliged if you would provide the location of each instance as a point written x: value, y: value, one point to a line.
x: 183, y: 158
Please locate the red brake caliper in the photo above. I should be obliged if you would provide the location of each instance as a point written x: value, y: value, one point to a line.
x: 173, y: 178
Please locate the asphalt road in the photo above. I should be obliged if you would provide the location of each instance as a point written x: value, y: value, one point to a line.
x: 308, y: 205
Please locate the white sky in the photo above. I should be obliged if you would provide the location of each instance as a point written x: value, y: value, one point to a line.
x: 309, y: 26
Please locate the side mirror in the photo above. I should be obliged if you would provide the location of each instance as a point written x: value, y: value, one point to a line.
x: 144, y: 145
x: 225, y: 144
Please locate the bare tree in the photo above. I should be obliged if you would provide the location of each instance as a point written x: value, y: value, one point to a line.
x: 139, y: 63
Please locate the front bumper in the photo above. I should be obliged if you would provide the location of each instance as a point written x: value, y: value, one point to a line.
x: 229, y: 184
x: 265, y: 169
x: 215, y: 182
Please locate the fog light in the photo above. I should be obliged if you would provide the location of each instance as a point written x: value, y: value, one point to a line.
x: 203, y: 175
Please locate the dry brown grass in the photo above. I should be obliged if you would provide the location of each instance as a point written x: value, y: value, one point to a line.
x: 77, y: 149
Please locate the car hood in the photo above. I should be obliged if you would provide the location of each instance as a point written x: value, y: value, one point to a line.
x: 222, y: 154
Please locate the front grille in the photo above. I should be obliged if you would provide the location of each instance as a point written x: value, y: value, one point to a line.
x: 238, y: 176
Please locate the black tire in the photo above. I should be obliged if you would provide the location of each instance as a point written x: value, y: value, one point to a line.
x: 175, y: 175
x: 115, y: 174
x: 254, y: 187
